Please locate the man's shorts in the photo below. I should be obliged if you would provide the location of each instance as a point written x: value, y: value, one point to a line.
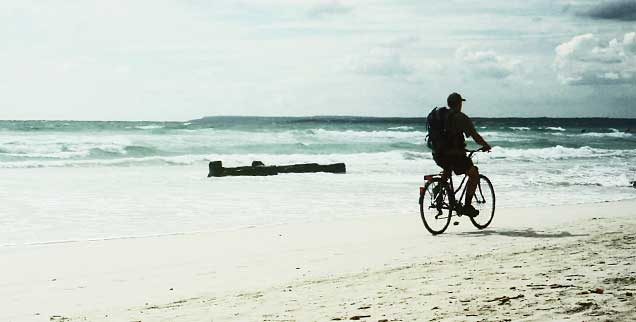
x: 459, y: 163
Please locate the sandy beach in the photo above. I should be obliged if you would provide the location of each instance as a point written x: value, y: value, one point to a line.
x: 572, y: 262
x: 328, y: 118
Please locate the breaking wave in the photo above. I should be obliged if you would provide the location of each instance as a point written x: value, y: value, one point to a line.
x: 401, y: 128
x: 557, y: 153
x: 139, y: 143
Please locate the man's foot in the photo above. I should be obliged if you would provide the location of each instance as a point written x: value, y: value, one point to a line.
x: 470, y: 211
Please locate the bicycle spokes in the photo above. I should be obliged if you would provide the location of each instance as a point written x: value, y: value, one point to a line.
x: 484, y: 202
x: 435, y: 206
x: 479, y: 198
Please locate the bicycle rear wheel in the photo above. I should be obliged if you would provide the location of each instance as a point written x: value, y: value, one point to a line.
x: 435, y: 207
x: 484, y: 201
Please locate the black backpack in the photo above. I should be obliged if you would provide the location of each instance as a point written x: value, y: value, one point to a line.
x: 437, y: 123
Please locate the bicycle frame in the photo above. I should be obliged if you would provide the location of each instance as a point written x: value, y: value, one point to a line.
x: 454, y: 203
x: 455, y: 191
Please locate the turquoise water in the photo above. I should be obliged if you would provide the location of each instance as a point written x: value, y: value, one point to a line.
x: 73, y: 143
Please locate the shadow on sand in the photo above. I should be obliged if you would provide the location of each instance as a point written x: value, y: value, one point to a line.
x: 529, y: 233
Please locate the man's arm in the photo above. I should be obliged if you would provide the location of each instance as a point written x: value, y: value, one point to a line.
x: 481, y: 141
x: 470, y: 130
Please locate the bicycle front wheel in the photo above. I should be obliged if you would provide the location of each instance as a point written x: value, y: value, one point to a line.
x: 435, y: 206
x: 484, y: 201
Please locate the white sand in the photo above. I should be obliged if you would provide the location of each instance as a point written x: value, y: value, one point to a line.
x: 532, y: 264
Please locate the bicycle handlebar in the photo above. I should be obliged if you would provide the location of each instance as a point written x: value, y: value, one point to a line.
x: 471, y: 152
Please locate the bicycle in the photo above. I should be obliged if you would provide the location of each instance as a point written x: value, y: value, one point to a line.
x: 438, y: 201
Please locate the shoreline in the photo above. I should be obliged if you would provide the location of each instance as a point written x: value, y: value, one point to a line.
x: 245, y: 227
x: 142, y: 279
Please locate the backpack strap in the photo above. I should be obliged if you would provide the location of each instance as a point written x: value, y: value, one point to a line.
x: 447, y: 120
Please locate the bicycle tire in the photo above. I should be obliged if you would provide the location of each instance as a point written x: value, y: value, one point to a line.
x: 485, y: 200
x: 426, y: 207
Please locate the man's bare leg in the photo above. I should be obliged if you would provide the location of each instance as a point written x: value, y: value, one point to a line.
x: 471, y: 185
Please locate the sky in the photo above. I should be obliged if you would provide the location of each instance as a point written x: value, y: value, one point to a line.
x: 181, y: 60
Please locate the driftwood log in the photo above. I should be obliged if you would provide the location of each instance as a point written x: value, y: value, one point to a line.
x: 259, y: 169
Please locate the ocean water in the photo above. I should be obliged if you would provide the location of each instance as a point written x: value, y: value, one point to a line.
x: 71, y: 180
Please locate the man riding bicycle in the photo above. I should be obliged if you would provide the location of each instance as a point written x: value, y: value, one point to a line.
x: 452, y: 155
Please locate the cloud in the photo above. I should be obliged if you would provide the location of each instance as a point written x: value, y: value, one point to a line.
x: 487, y: 64
x: 381, y: 62
x: 586, y: 60
x: 615, y: 10
x: 400, y: 42
x: 328, y: 8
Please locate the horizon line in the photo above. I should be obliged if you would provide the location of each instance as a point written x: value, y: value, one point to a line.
x: 311, y: 116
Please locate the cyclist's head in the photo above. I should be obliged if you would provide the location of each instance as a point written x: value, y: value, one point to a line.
x: 454, y: 101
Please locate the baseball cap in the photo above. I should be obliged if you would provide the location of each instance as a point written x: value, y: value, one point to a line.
x: 454, y: 98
